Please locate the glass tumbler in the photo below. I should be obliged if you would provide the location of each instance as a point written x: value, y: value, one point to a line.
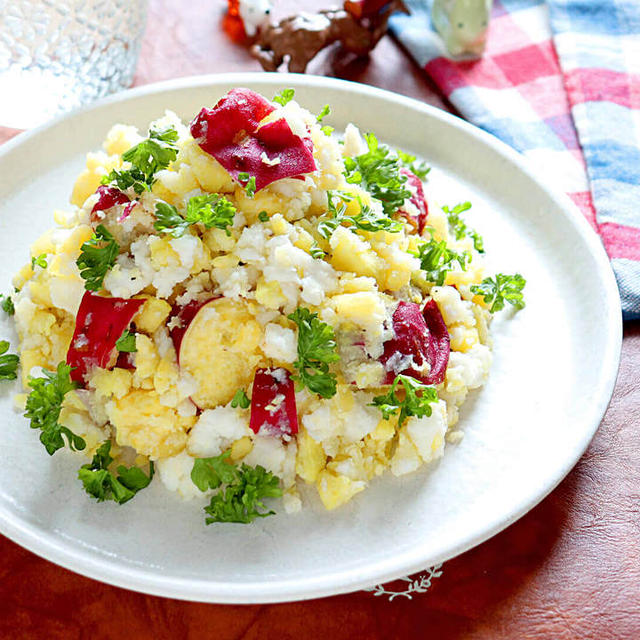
x: 56, y: 55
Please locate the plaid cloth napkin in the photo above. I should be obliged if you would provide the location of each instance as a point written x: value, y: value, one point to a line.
x: 568, y: 100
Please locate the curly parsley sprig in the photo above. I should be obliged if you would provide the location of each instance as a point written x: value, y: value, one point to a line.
x: 211, y: 210
x: 103, y: 484
x: 378, y: 172
x: 317, y: 349
x: 503, y: 288
x: 241, y: 489
x: 417, y: 399
x: 8, y: 362
x: 459, y: 227
x: 148, y: 157
x: 97, y: 256
x: 43, y: 407
x: 366, y: 219
x: 436, y: 260
x: 418, y: 168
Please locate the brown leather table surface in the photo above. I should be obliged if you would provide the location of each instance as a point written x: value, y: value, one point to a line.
x: 568, y: 569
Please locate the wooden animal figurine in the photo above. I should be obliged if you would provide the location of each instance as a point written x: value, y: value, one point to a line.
x: 463, y: 24
x: 298, y: 39
x: 244, y: 17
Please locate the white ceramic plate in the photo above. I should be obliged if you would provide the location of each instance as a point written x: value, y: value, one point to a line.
x: 553, y: 374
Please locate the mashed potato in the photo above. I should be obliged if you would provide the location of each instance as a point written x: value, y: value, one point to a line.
x: 216, y: 322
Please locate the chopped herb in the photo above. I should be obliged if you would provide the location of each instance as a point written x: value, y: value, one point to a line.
x: 8, y: 362
x: 326, y: 110
x: 40, y: 261
x: 44, y: 405
x: 126, y: 179
x: 504, y: 288
x: 316, y: 351
x: 378, y: 172
x: 263, y: 216
x: 6, y: 304
x: 211, y: 210
x: 412, y: 404
x: 241, y: 499
x: 419, y: 169
x: 97, y: 256
x: 316, y: 252
x: 327, y: 130
x: 366, y: 219
x: 168, y: 220
x: 248, y: 183
x: 284, y: 97
x: 148, y: 157
x: 241, y: 400
x: 459, y: 227
x: 436, y: 260
x: 126, y: 343
x: 103, y: 485
x: 210, y: 473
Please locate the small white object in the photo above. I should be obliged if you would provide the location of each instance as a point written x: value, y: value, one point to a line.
x: 254, y: 13
x: 463, y: 24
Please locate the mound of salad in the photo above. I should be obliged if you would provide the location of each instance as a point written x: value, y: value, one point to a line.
x: 249, y: 303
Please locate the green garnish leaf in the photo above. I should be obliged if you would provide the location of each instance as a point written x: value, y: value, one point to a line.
x: 44, y: 404
x: 210, y: 473
x: 420, y: 168
x: 367, y: 219
x: 316, y: 252
x: 459, y: 227
x: 284, y: 97
x: 8, y: 362
x: 436, y: 260
x: 317, y: 349
x: 211, y: 210
x: 103, y: 485
x: 168, y: 220
x: 241, y: 499
x: 127, y: 178
x: 325, y: 111
x: 416, y: 402
x: 378, y: 172
x: 126, y: 343
x: 6, y: 304
x: 241, y: 400
x: 248, y: 183
x: 263, y: 216
x: 148, y: 157
x: 97, y: 256
x: 40, y: 261
x: 327, y: 130
x: 503, y: 288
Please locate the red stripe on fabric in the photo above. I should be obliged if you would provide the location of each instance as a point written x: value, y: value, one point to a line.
x: 529, y: 63
x: 547, y: 96
x: 450, y: 75
x: 584, y: 201
x: 621, y: 241
x: 596, y: 85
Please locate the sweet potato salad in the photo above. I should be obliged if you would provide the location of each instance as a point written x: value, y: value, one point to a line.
x: 249, y: 303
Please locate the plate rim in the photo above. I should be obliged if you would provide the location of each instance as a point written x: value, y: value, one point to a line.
x: 87, y: 563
